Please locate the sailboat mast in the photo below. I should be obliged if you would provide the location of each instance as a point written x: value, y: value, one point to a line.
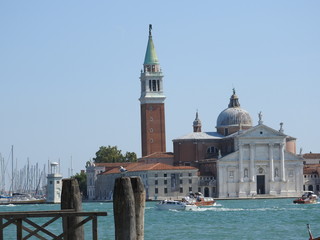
x: 12, y: 177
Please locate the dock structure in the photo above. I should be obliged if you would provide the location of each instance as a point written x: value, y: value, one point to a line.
x: 128, y: 205
x: 24, y: 221
x: 73, y: 218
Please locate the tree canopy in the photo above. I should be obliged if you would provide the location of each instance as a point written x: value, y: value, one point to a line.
x: 113, y: 154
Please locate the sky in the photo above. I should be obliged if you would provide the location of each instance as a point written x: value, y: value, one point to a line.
x: 69, y: 71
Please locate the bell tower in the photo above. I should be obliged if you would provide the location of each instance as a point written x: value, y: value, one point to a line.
x: 153, y: 137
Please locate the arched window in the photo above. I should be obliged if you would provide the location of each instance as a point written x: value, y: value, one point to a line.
x: 310, y: 188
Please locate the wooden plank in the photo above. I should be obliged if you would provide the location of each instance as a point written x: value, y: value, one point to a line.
x: 94, y: 228
x: 28, y: 230
x: 17, y: 218
x: 73, y: 228
x: 1, y: 228
x: 41, y: 228
x: 19, y: 229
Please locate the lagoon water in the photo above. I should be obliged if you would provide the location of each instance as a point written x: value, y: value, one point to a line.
x: 230, y: 219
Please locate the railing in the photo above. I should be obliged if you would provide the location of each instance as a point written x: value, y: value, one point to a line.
x: 23, y: 222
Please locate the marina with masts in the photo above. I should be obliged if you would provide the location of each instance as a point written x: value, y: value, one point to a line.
x: 28, y: 181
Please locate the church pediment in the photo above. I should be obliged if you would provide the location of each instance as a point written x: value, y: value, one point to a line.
x: 261, y: 131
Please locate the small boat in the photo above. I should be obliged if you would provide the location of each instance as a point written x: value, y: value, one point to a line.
x: 307, y: 198
x: 199, y: 200
x: 20, y: 198
x: 175, y: 205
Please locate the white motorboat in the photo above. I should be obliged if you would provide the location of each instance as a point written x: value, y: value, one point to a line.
x: 307, y: 198
x: 175, y: 205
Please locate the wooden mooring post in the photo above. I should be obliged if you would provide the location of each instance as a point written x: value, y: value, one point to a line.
x: 128, y: 206
x: 71, y: 199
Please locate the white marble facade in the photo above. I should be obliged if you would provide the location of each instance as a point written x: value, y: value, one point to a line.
x: 260, y: 165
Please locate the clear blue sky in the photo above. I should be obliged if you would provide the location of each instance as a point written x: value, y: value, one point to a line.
x: 69, y: 71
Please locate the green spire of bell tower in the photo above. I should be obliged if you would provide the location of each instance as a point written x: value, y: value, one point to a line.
x: 151, y: 55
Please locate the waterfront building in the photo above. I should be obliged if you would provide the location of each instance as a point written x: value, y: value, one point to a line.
x: 93, y: 170
x: 311, y: 177
x: 311, y: 158
x: 54, y: 184
x: 242, y: 160
x: 161, y: 181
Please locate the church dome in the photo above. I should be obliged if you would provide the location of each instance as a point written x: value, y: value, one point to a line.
x: 234, y: 115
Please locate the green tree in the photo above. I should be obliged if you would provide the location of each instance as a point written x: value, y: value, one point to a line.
x: 82, y: 181
x: 113, y: 154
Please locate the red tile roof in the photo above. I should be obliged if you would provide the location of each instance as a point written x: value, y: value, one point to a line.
x: 115, y: 164
x: 159, y: 155
x: 311, y: 169
x: 141, y: 166
x: 311, y: 155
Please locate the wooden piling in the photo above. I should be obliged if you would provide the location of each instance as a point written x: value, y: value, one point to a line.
x: 140, y: 203
x: 124, y: 210
x: 71, y: 199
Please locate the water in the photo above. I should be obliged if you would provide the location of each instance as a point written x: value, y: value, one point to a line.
x: 230, y: 219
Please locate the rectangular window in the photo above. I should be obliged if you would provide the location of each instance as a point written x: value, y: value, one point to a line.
x: 190, y: 174
x: 181, y: 190
x: 156, y: 190
x: 165, y: 182
x: 181, y: 181
x: 165, y: 175
x: 156, y: 175
x: 165, y: 190
x: 190, y: 180
x: 156, y: 182
x: 190, y: 189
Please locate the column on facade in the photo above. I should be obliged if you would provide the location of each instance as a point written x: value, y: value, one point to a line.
x: 241, y: 162
x: 283, y: 176
x: 271, y: 162
x: 252, y: 162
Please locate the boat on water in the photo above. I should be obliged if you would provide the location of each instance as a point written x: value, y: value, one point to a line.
x: 175, y: 205
x: 20, y: 198
x: 199, y: 200
x: 307, y: 198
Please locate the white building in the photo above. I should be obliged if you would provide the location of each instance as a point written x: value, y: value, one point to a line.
x: 54, y: 185
x: 161, y: 181
x: 260, y: 164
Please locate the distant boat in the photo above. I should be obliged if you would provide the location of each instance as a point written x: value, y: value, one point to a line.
x: 19, y: 198
x: 175, y: 205
x: 307, y: 198
x: 199, y: 200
